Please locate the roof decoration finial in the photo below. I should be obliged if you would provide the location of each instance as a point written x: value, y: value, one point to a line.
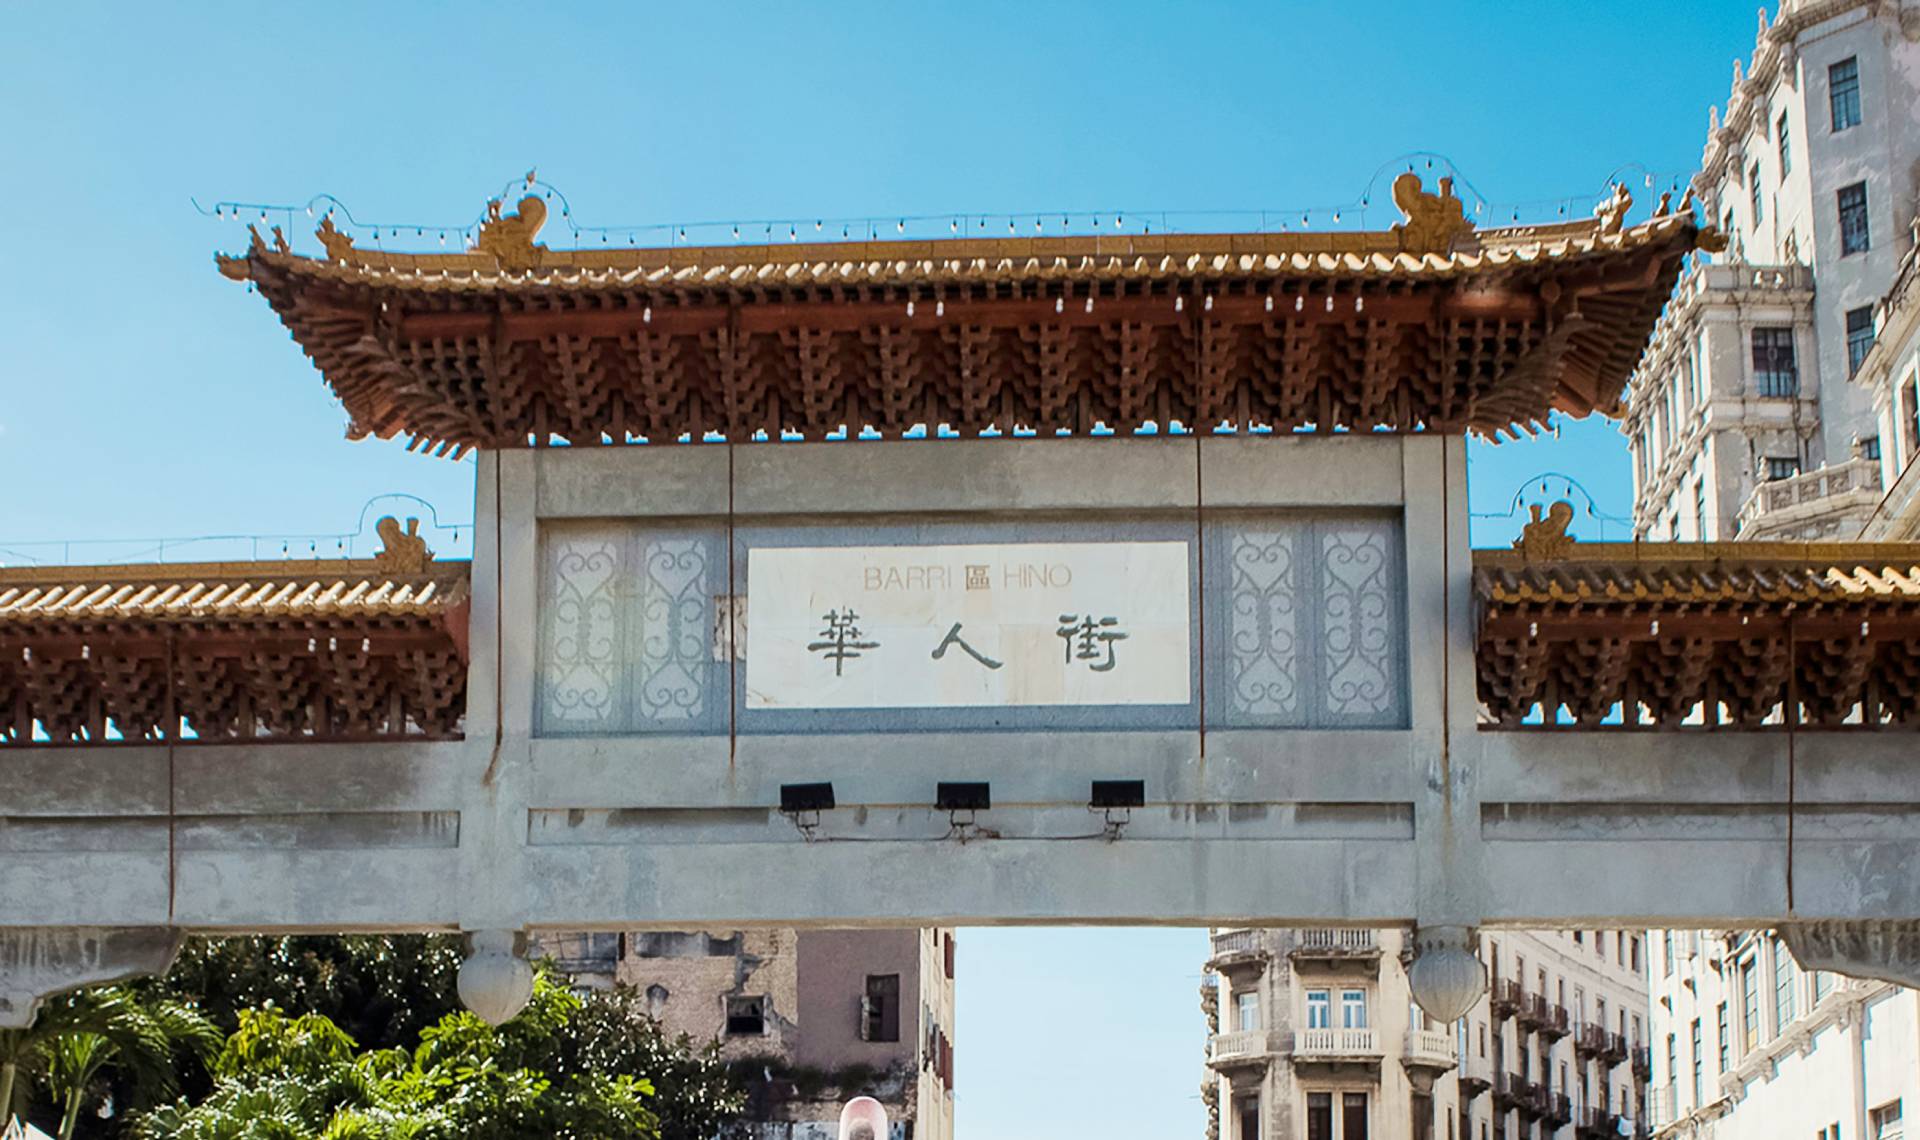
x: 1763, y: 20
x: 1545, y: 539
x: 1433, y: 221
x: 509, y: 237
x: 1612, y: 211
x: 339, y: 246
x: 401, y: 552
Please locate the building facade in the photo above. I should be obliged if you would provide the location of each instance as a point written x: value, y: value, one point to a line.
x: 819, y: 1016
x: 1747, y: 1044
x: 1891, y: 373
x: 1315, y: 1036
x: 1743, y: 418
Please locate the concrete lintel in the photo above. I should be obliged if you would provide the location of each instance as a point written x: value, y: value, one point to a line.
x: 1887, y: 951
x: 38, y: 962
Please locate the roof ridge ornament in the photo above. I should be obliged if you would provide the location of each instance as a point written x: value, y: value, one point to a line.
x: 339, y: 246
x: 1433, y: 221
x: 401, y: 552
x: 1612, y: 211
x: 509, y: 237
x: 1545, y: 539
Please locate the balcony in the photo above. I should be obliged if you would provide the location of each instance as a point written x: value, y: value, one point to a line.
x: 1553, y: 1022
x: 1831, y: 502
x: 1429, y: 1049
x: 1335, y: 947
x: 1336, y: 1045
x: 1590, y: 1040
x: 1510, y: 1091
x: 1615, y: 1050
x: 1556, y: 1109
x: 1505, y: 998
x: 1471, y: 1086
x: 1244, y: 1049
x: 1239, y: 954
x: 1642, y: 1062
x: 1597, y: 1124
x: 1531, y: 1012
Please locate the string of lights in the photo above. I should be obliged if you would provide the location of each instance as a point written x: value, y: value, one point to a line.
x: 1362, y: 212
x: 358, y: 542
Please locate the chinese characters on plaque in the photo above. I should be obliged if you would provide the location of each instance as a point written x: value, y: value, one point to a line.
x: 1095, y: 623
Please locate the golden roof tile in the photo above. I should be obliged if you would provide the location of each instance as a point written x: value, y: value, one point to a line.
x: 346, y: 589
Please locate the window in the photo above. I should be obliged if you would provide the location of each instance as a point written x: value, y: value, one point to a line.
x: 1353, y: 1116
x: 1636, y: 1037
x: 1246, y: 1011
x: 1884, y: 1122
x: 1579, y: 936
x: 1699, y: 1067
x: 1673, y: 1072
x: 746, y: 1016
x: 1753, y: 192
x: 1319, y: 1116
x: 1699, y: 532
x: 1783, y: 1011
x: 1726, y: 1037
x: 1859, y: 336
x: 1693, y: 375
x: 1822, y: 985
x: 1843, y: 93
x: 1750, y: 1004
x: 1783, y: 145
x: 1782, y: 468
x: 1353, y: 1009
x: 1870, y: 447
x: 1246, y: 1117
x: 1483, y: 1039
x: 1319, y: 1010
x: 1633, y: 943
x: 1774, y: 371
x: 1666, y: 954
x: 880, y: 1009
x: 1854, y: 234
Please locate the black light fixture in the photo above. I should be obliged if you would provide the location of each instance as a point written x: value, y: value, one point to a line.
x: 1110, y: 794
x: 964, y: 796
x: 797, y: 798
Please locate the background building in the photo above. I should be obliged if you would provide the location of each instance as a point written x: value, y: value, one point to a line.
x: 1743, y: 419
x: 1746, y: 1044
x: 1315, y: 1036
x: 816, y: 1016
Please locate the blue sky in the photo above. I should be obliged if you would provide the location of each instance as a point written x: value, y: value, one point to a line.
x: 143, y: 396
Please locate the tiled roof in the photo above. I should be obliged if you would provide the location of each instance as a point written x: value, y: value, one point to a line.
x: 1601, y: 574
x: 971, y: 260
x: 226, y: 591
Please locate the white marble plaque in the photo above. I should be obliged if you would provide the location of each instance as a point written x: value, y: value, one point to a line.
x: 1084, y: 623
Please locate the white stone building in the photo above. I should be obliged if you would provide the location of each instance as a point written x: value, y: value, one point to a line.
x: 824, y: 1015
x: 1746, y: 1044
x: 1742, y: 417
x: 1891, y: 373
x: 1315, y: 1037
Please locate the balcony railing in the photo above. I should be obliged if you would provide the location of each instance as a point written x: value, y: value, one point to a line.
x: 1241, y: 1045
x: 1799, y: 505
x: 1335, y: 942
x: 1553, y: 1023
x: 1506, y: 997
x: 1309, y: 1043
x: 1431, y: 1047
x: 1236, y: 942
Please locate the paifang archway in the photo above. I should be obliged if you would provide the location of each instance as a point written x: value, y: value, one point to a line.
x: 1151, y: 550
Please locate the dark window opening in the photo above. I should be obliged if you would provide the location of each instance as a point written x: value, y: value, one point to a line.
x: 1854, y: 233
x: 1859, y: 336
x: 880, y: 1008
x: 1775, y: 373
x: 1843, y: 93
x: 1353, y: 1116
x: 746, y: 1017
x: 1319, y: 1116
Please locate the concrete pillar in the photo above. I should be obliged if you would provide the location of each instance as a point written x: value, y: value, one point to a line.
x: 38, y: 962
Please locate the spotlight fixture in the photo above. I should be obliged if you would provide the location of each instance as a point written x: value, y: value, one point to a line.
x: 1109, y: 794
x: 964, y: 797
x: 797, y: 798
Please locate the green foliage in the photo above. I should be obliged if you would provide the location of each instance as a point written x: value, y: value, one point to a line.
x: 381, y: 991
x: 79, y: 1040
x: 298, y: 1078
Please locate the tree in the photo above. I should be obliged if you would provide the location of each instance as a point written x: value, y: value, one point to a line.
x: 78, y: 1038
x: 298, y: 1078
x: 380, y: 990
